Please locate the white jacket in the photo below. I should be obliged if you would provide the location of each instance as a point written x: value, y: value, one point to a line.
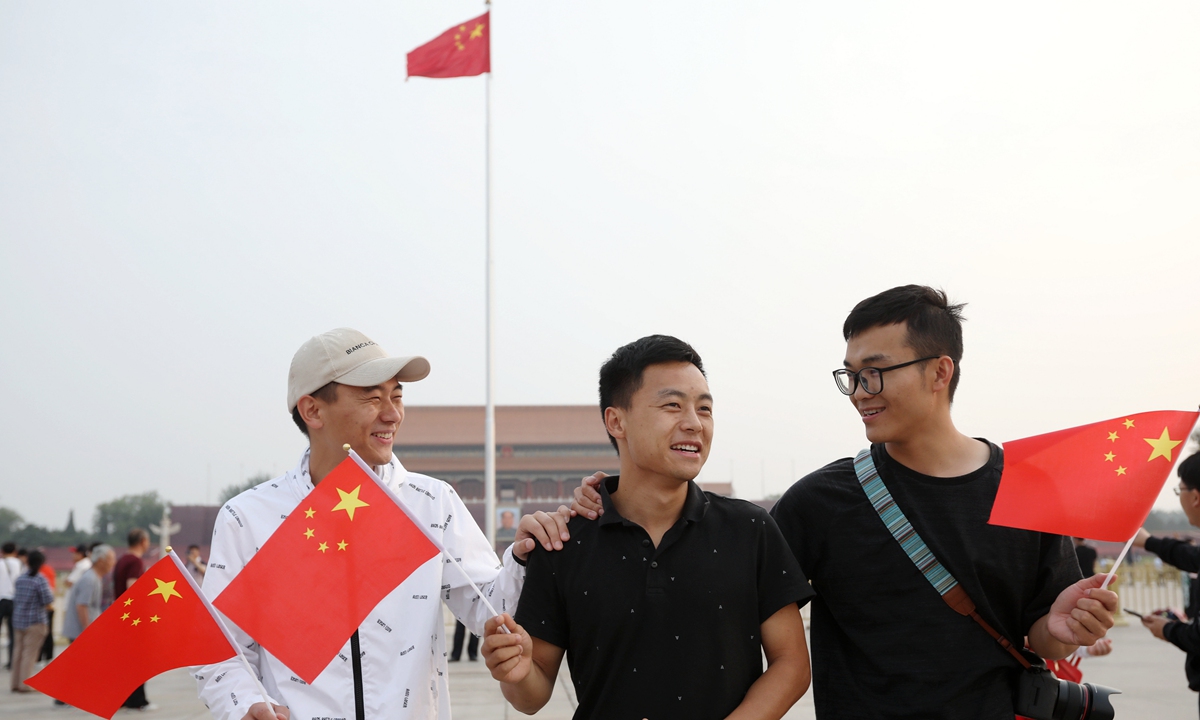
x: 402, y: 644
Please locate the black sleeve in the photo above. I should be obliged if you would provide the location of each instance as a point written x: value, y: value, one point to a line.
x: 780, y: 579
x: 795, y: 529
x: 1185, y: 636
x: 1058, y: 569
x: 1180, y: 553
x: 540, y: 610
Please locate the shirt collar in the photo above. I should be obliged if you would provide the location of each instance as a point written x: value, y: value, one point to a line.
x: 694, y: 507
x: 389, y: 473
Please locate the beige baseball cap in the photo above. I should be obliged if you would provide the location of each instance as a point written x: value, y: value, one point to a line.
x: 348, y: 357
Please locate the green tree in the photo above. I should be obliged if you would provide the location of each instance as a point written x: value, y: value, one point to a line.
x: 114, y: 519
x: 233, y: 491
x: 10, y: 522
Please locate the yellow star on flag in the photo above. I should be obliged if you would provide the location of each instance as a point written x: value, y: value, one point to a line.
x: 153, y: 618
x: 166, y: 589
x: 1121, y: 471
x: 1128, y: 423
x: 350, y: 501
x: 309, y: 513
x: 136, y: 621
x: 1109, y: 457
x: 128, y: 602
x: 1113, y: 436
x: 1163, y: 445
x: 323, y: 547
x: 125, y: 616
x: 308, y: 533
x: 477, y: 32
x: 343, y: 545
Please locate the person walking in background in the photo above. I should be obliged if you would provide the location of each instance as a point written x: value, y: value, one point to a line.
x: 47, y: 651
x: 195, y: 564
x: 82, y: 564
x: 85, y: 599
x: 31, y: 601
x: 1185, y: 556
x: 460, y: 634
x: 1086, y: 555
x: 10, y: 570
x: 128, y: 569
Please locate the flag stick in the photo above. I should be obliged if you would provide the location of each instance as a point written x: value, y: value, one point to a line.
x: 1113, y: 571
x: 221, y: 624
x: 489, y: 410
x: 421, y: 526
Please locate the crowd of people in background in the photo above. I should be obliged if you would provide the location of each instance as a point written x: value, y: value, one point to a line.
x: 29, y: 585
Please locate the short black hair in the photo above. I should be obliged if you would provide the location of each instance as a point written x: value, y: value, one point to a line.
x: 193, y: 547
x: 1189, y: 471
x: 621, y: 374
x: 136, y: 536
x: 8, y: 548
x: 934, y: 323
x: 326, y: 393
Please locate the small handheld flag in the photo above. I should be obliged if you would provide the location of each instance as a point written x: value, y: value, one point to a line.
x: 160, y: 623
x: 1096, y: 481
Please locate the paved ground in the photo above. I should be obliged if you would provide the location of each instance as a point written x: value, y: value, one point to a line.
x: 1150, y: 672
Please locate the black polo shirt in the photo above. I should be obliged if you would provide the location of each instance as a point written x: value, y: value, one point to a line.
x: 666, y: 632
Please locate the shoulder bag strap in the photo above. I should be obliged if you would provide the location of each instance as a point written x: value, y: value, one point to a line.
x: 910, y: 541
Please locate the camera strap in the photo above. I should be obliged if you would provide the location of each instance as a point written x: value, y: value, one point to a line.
x: 920, y: 554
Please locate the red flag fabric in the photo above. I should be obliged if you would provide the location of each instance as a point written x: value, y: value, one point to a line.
x: 461, y: 51
x: 1096, y: 481
x: 342, y: 550
x: 159, y: 624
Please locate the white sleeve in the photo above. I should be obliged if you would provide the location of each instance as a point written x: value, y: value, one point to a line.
x: 226, y: 688
x: 500, y: 582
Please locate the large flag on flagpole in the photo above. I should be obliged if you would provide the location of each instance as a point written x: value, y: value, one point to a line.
x: 159, y: 624
x: 461, y: 51
x: 1096, y: 481
x: 344, y: 548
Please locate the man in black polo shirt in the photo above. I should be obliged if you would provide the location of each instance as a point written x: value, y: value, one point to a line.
x: 666, y: 605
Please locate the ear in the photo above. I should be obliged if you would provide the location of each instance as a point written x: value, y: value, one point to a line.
x: 310, y: 412
x: 614, y: 422
x: 1195, y: 501
x: 943, y: 371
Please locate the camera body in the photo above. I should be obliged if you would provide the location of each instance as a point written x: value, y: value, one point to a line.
x: 1041, y: 696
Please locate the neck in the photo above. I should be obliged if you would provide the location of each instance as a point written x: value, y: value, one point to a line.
x: 649, y: 499
x: 323, y: 457
x: 137, y: 552
x: 939, y: 450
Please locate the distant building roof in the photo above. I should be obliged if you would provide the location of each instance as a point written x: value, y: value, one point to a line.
x: 515, y: 425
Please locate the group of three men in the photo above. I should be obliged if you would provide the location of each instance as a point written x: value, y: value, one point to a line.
x: 664, y: 598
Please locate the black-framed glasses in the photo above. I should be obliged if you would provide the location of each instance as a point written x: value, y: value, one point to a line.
x: 1180, y: 489
x: 871, y: 378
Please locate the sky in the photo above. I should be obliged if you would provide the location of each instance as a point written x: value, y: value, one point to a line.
x: 189, y: 191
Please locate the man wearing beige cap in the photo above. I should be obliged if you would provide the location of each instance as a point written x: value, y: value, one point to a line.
x: 344, y: 389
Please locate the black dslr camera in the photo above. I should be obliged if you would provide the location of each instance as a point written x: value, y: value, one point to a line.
x: 1042, y: 696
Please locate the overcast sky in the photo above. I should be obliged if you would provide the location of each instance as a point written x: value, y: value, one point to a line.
x: 188, y: 191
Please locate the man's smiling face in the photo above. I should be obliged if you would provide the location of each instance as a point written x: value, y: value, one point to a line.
x: 366, y: 418
x: 907, y: 400
x: 668, y: 426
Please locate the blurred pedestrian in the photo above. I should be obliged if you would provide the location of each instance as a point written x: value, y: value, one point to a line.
x: 195, y: 564
x: 128, y: 569
x: 30, y: 603
x: 82, y: 564
x: 47, y: 652
x: 1086, y: 555
x: 460, y: 634
x: 85, y: 599
x: 10, y: 570
x: 1184, y: 635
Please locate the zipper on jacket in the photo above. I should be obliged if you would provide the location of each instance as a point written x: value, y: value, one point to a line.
x: 360, y: 711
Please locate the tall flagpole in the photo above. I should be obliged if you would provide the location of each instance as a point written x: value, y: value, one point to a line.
x: 489, y: 413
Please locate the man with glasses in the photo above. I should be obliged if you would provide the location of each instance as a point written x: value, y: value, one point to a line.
x: 884, y: 643
x: 1184, y: 635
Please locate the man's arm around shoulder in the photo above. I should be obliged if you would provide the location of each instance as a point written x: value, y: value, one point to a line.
x: 788, y: 673
x: 1180, y: 553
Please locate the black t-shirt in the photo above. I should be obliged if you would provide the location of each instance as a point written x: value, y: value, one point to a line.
x: 1086, y: 554
x: 666, y: 632
x: 884, y: 643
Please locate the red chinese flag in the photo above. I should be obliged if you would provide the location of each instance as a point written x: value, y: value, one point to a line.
x: 342, y: 550
x: 158, y: 624
x: 460, y: 51
x: 1097, y: 481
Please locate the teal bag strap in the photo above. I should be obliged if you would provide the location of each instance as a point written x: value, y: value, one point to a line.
x: 920, y: 554
x: 899, y: 526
